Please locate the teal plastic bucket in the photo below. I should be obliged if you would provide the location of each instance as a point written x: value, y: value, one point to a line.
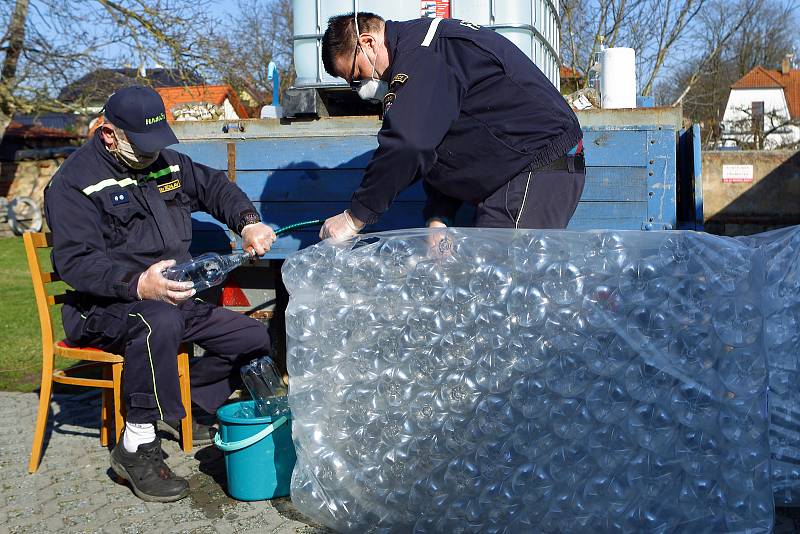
x: 259, y: 453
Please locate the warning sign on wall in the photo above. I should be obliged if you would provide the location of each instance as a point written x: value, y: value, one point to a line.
x: 737, y: 173
x: 434, y: 8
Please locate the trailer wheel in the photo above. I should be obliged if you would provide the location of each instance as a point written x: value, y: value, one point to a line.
x: 24, y: 215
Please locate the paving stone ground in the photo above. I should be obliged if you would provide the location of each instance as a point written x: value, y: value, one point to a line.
x: 74, y: 490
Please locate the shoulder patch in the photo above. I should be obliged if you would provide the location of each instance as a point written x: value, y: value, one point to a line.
x: 388, y: 100
x: 469, y: 25
x: 400, y: 78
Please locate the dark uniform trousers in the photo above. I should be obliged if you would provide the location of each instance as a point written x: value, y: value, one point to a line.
x: 148, y: 334
x: 544, y: 198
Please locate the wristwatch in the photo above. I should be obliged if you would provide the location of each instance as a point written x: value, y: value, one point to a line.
x: 247, y: 217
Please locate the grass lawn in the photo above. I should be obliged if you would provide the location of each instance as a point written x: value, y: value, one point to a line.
x: 20, y: 337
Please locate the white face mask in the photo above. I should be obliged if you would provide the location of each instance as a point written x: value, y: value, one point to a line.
x: 373, y: 89
x: 130, y: 156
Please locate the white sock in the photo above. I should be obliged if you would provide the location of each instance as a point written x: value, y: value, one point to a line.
x: 136, y: 434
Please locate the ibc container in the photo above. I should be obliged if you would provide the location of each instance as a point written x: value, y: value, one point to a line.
x: 532, y: 25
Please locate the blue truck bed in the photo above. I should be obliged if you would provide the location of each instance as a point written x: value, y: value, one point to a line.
x: 641, y: 169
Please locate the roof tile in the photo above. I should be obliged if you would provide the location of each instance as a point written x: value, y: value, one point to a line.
x: 213, y: 94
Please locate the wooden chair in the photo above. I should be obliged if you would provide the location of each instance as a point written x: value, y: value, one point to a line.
x: 111, y: 383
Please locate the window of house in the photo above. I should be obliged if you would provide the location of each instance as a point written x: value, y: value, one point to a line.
x: 757, y: 114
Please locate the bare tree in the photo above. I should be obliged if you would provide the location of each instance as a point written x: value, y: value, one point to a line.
x: 760, y: 130
x: 723, y: 21
x: 672, y: 19
x: 260, y: 32
x: 14, y: 39
x: 52, y: 42
x: 653, y: 28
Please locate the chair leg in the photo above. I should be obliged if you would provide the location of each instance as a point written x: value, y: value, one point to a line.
x: 106, y: 406
x: 41, y: 418
x: 186, y: 399
x: 116, y: 377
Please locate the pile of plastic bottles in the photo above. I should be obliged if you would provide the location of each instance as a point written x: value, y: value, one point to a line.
x: 497, y: 380
x: 781, y: 308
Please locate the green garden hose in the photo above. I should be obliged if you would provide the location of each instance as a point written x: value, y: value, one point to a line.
x: 298, y: 226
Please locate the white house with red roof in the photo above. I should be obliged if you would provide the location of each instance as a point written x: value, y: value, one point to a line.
x: 763, y: 109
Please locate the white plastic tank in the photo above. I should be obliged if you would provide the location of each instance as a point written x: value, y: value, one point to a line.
x: 533, y: 25
x: 618, y: 78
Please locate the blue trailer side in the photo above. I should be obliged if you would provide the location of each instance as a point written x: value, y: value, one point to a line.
x: 308, y: 170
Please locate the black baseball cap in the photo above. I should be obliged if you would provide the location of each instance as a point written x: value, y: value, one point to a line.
x: 139, y: 112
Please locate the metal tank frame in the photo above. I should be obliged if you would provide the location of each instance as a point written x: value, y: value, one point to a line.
x: 303, y: 99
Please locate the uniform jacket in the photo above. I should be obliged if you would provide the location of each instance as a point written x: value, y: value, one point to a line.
x: 110, y: 223
x: 466, y: 112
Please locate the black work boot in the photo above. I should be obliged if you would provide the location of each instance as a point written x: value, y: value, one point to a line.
x: 149, y: 476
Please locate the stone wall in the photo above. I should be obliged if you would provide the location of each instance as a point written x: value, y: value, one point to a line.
x: 771, y: 200
x: 25, y: 178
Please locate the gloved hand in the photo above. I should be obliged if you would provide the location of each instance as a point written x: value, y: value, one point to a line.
x: 153, y: 286
x: 341, y: 227
x: 259, y: 237
x: 438, y: 240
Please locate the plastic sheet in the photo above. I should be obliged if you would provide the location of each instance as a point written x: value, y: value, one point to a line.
x: 781, y: 308
x: 523, y: 381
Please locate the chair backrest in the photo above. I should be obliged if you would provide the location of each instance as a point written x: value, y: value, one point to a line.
x: 34, y: 241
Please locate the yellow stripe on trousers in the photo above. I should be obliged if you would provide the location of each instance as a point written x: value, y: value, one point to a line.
x: 150, y: 357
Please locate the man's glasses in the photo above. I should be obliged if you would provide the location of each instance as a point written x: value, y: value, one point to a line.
x: 354, y: 84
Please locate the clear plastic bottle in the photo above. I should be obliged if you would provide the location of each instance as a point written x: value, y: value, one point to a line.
x: 738, y: 322
x: 603, y: 306
x: 607, y: 354
x: 700, y: 452
x: 571, y: 464
x: 744, y: 371
x: 570, y: 418
x: 608, y: 496
x: 611, y: 448
x: 427, y: 281
x: 527, y: 306
x: 531, y: 397
x: 608, y: 401
x: 743, y: 421
x: 694, y: 404
x: 534, y: 439
x: 649, y: 326
x: 634, y: 279
x: 563, y: 283
x: 652, y: 427
x: 206, y: 270
x: 266, y: 386
x: 604, y: 253
x: 648, y: 383
x: 567, y: 374
x: 535, y: 486
x: 694, y: 350
x: 654, y: 476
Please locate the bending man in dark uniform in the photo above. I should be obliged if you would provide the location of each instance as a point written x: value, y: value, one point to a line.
x: 464, y: 110
x: 120, y: 212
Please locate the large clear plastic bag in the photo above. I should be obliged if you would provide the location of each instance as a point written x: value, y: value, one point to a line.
x: 523, y: 381
x: 781, y: 309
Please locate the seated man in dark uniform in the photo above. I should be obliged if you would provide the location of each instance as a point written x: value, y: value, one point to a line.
x: 120, y: 212
x: 465, y: 111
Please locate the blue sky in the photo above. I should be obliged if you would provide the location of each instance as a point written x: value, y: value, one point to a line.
x: 223, y: 7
